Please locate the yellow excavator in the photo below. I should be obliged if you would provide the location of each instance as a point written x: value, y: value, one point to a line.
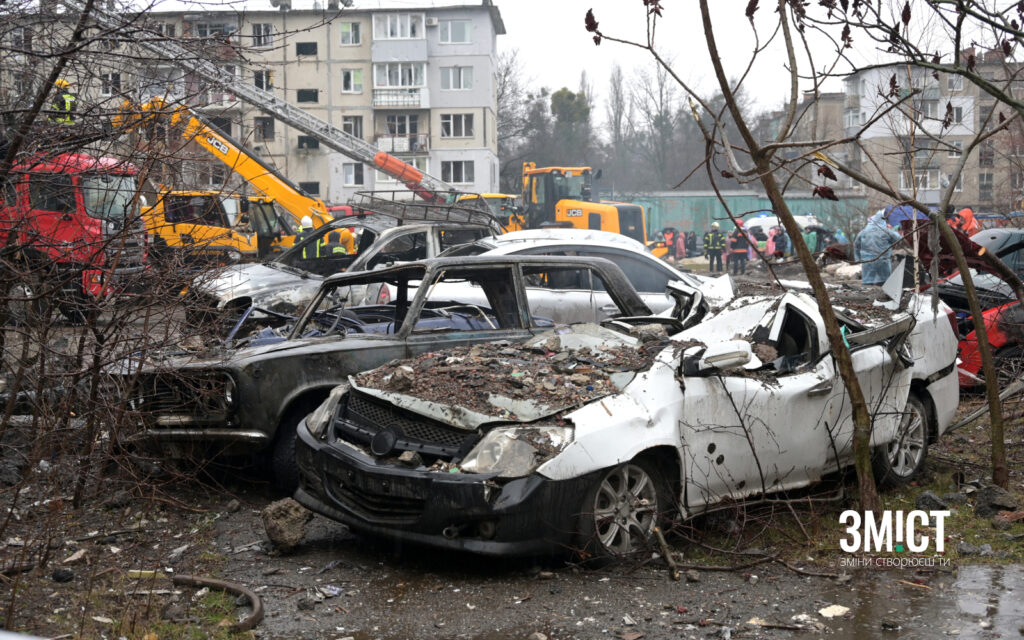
x: 563, y: 197
x: 210, y: 223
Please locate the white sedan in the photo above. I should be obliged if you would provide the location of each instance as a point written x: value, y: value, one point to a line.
x: 588, y: 436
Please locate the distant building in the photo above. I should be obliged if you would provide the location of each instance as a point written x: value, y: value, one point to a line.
x: 416, y: 79
x: 919, y: 157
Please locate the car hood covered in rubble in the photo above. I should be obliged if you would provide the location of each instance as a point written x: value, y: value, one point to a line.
x: 502, y: 383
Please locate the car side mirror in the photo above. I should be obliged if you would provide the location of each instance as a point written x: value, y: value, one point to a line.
x: 724, y: 356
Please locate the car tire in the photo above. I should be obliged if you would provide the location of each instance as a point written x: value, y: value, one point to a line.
x: 897, y: 463
x: 282, y: 456
x: 621, y: 509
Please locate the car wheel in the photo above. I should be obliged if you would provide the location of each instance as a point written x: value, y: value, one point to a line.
x: 899, y: 461
x: 282, y: 456
x: 622, y: 508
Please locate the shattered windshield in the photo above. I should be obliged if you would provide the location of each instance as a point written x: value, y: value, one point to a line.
x: 107, y: 196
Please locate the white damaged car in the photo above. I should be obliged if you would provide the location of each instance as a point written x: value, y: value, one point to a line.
x: 587, y: 436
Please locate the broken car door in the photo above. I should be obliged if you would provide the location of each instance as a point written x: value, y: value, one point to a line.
x: 747, y: 432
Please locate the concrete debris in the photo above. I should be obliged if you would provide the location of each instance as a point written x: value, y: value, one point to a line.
x: 807, y: 622
x: 989, y: 501
x: 60, y: 574
x: 955, y: 498
x: 554, y: 372
x: 285, y: 523
x: 175, y: 555
x: 537, y: 635
x: 833, y: 611
x: 692, y: 576
x: 929, y: 501
x: 75, y: 557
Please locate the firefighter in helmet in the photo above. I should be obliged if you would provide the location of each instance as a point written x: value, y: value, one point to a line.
x: 63, y: 103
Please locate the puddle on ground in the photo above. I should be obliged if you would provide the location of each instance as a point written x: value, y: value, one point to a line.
x: 973, y: 602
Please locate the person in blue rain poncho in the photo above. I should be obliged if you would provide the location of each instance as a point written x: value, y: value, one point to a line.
x: 873, y: 249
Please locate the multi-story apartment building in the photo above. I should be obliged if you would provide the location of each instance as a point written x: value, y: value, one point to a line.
x: 415, y: 79
x: 917, y: 145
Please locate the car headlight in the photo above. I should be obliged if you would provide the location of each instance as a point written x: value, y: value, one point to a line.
x: 513, y: 452
x: 319, y: 420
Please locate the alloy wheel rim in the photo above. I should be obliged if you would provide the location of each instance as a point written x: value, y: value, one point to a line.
x: 906, y: 451
x: 625, y: 509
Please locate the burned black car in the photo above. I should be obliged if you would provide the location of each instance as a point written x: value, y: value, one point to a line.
x: 250, y: 399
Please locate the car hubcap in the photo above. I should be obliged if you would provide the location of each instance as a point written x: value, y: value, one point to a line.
x: 625, y: 509
x: 906, y: 451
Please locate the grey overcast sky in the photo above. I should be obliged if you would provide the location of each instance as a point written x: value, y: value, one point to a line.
x: 554, y: 47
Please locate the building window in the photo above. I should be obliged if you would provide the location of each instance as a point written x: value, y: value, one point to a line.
x: 398, y: 26
x: 928, y: 108
x: 419, y: 162
x: 398, y: 74
x: 305, y: 48
x: 985, y: 116
x: 214, y: 29
x: 214, y: 175
x: 110, y: 84
x: 21, y: 39
x: 350, y: 34
x: 457, y: 171
x: 985, y: 183
x: 307, y: 95
x: 352, y: 125
x: 222, y: 124
x: 920, y: 180
x: 957, y: 149
x: 959, y: 184
x: 456, y: 78
x: 403, y: 124
x: 309, y: 142
x: 958, y: 115
x: 1017, y: 179
x: 166, y: 29
x: 987, y: 154
x: 353, y: 174
x: 263, y: 80
x: 311, y: 188
x: 455, y: 31
x: 262, y: 34
x: 351, y: 80
x: 456, y: 125
x: 954, y: 83
x: 263, y: 127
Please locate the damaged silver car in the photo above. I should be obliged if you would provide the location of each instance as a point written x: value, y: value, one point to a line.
x: 586, y: 437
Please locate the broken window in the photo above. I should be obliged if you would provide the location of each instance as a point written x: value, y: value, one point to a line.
x: 52, y: 192
x: 567, y: 294
x: 405, y: 248
x: 484, y: 298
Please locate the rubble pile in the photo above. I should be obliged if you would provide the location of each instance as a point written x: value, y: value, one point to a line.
x: 544, y: 373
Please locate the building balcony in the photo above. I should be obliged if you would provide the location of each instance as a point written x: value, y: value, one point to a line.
x: 417, y: 98
x: 413, y: 143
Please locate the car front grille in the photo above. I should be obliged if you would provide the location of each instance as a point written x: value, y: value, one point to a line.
x: 162, y: 394
x: 363, y: 417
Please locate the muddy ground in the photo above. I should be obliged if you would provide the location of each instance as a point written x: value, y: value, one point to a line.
x: 336, y: 584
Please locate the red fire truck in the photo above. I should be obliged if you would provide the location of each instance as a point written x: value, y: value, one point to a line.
x: 73, y: 220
